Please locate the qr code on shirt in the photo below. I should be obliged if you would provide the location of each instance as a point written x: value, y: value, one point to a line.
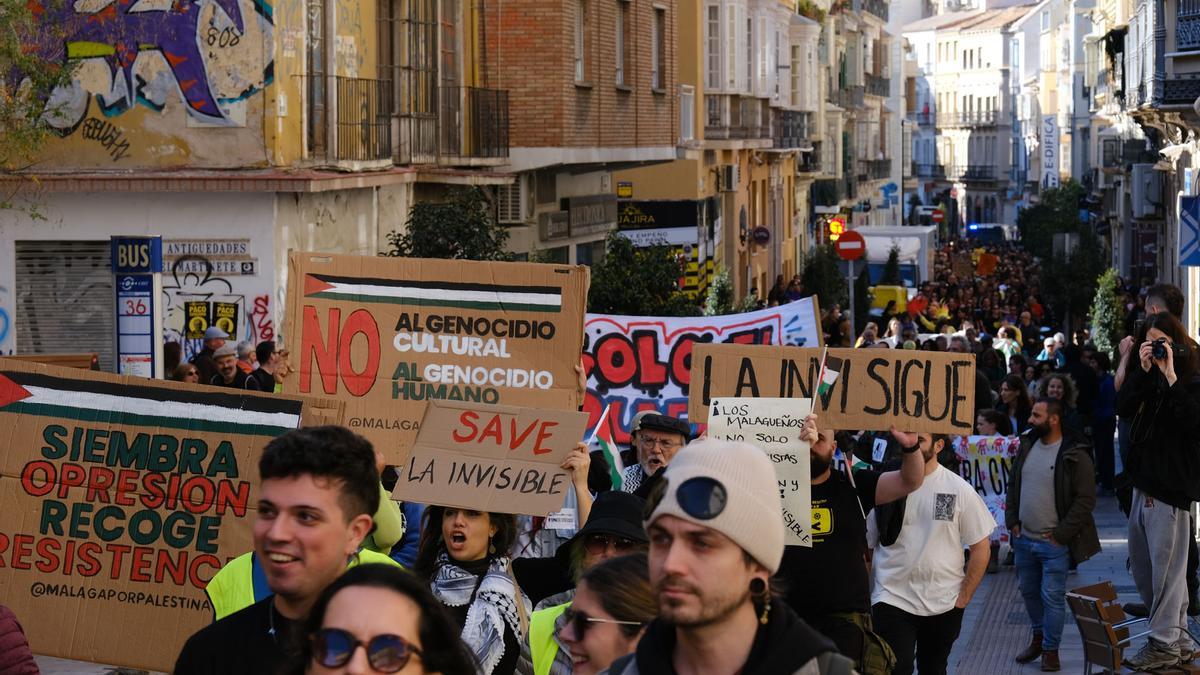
x: 943, y: 508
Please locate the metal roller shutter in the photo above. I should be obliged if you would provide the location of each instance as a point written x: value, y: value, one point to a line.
x: 65, y: 298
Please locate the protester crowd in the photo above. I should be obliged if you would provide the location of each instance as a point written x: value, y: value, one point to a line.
x: 680, y: 565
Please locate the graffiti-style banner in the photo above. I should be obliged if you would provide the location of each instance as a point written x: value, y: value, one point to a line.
x: 120, y: 498
x: 985, y: 462
x: 639, y: 363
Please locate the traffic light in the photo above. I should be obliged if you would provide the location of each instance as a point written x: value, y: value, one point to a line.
x: 837, y: 225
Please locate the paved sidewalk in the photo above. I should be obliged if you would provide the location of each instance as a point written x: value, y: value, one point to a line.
x: 996, y: 628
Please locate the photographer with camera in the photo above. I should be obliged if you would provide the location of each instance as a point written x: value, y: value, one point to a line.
x: 1161, y: 397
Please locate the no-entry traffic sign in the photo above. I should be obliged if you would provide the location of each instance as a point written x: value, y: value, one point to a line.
x: 937, y: 216
x: 851, y: 245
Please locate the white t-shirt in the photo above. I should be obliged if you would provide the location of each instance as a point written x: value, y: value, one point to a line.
x: 921, y: 572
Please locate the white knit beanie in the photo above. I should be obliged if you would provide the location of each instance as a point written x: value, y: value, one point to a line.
x: 753, y: 513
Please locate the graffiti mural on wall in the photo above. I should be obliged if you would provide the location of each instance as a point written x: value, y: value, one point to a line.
x: 219, y: 277
x: 153, y: 52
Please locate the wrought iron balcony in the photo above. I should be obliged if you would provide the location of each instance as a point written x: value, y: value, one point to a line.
x: 1187, y: 26
x: 977, y: 118
x: 973, y: 173
x: 932, y: 171
x: 925, y: 119
x: 874, y: 169
x: 791, y: 129
x: 450, y: 125
x: 878, y: 85
x: 848, y: 97
x: 878, y: 8
x: 736, y: 118
x: 364, y: 120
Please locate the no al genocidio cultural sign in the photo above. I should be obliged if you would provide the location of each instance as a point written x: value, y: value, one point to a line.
x: 388, y: 334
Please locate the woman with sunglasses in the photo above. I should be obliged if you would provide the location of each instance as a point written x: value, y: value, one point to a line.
x: 463, y: 555
x: 186, y: 372
x: 389, y: 613
x: 613, y: 603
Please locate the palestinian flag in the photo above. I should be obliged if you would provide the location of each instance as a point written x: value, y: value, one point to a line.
x: 603, y: 437
x: 434, y: 293
x: 29, y: 393
x: 831, y: 367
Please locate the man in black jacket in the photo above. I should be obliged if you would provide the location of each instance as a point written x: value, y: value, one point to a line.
x: 1048, y: 509
x: 716, y: 537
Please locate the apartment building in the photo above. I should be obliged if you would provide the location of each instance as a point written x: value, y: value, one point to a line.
x: 238, y: 130
x: 593, y: 88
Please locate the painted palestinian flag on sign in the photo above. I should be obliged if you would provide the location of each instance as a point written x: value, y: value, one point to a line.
x: 30, y: 393
x: 434, y: 293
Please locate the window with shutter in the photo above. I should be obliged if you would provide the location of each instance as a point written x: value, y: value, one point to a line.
x: 510, y: 203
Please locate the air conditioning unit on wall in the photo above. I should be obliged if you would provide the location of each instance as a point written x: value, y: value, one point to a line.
x: 1147, y: 192
x: 729, y: 177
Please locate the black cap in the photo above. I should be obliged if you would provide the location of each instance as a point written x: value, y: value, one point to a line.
x: 617, y: 513
x: 668, y: 424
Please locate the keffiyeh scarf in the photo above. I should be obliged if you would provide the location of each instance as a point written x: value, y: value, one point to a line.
x: 493, y: 601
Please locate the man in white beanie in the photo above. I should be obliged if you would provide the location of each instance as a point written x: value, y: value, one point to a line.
x: 716, y: 536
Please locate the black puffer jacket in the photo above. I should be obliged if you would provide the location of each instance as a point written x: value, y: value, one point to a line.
x: 1164, y: 454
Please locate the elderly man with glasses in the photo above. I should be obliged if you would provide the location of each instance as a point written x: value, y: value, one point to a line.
x: 656, y: 438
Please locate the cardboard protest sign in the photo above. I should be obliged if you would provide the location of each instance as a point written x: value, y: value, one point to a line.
x: 388, y: 334
x: 773, y: 424
x: 870, y: 389
x: 495, y: 458
x: 987, y: 264
x: 637, y: 363
x: 985, y: 462
x: 120, y: 498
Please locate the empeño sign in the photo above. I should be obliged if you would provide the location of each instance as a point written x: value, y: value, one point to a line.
x: 876, y: 388
x: 119, y: 500
x: 388, y: 334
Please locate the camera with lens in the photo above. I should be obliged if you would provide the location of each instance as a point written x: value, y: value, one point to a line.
x: 1158, y: 350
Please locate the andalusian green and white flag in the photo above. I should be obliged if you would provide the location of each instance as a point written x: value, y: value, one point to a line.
x: 31, y: 393
x: 831, y: 367
x: 602, y: 436
x: 434, y: 293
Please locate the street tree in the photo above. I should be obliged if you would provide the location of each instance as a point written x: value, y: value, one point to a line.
x: 26, y: 85
x: 1108, y: 314
x: 462, y: 228
x: 639, y: 281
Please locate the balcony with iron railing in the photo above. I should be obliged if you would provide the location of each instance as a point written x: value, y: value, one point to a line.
x: 1187, y: 26
x: 924, y: 119
x: 929, y: 171
x: 791, y: 129
x: 874, y: 169
x: 810, y: 161
x: 736, y: 118
x: 853, y: 96
x: 975, y: 118
x: 878, y: 8
x: 878, y: 85
x: 363, y: 124
x: 973, y: 172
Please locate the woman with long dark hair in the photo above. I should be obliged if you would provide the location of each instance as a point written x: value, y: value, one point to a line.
x: 1161, y: 397
x: 463, y: 555
x: 1014, y: 402
x: 390, y: 614
x: 613, y: 603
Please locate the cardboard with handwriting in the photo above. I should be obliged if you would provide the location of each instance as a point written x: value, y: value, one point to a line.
x: 773, y: 425
x: 120, y: 497
x: 386, y: 335
x: 873, y: 388
x: 502, y: 459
